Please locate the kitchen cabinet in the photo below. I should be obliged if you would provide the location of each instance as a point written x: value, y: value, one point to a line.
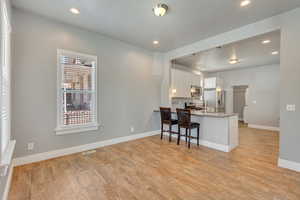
x: 182, y: 82
x: 196, y: 80
x: 213, y: 82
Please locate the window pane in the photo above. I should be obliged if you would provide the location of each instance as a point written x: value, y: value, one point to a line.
x: 77, y: 77
x: 76, y: 90
x: 77, y: 108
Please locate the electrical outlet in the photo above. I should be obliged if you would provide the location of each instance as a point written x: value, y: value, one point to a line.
x: 132, y: 129
x: 291, y: 107
x: 30, y: 146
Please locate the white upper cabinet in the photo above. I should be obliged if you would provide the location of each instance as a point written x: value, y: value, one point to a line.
x: 212, y: 83
x: 196, y: 80
x: 182, y: 82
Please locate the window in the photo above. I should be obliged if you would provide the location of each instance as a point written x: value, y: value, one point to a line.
x: 5, y: 79
x: 76, y: 92
x: 7, y: 145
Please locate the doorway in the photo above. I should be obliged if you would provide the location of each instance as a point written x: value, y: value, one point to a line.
x: 239, y: 100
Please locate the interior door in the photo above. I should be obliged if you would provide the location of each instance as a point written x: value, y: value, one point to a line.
x: 239, y: 100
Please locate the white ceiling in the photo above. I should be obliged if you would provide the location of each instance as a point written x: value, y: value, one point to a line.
x: 133, y: 21
x: 250, y: 52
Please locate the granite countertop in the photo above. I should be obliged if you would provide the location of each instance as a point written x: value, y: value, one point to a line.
x: 207, y: 114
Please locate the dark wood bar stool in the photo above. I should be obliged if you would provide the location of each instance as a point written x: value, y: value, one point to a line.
x: 166, y: 118
x: 184, y: 121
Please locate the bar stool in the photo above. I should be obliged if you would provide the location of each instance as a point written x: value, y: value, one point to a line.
x: 166, y: 118
x: 184, y: 121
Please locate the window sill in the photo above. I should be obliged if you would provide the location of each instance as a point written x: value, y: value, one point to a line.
x: 76, y: 129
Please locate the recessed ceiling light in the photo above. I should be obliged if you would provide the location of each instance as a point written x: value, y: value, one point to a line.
x: 233, y: 61
x: 155, y: 42
x: 245, y: 3
x: 74, y: 11
x: 160, y: 9
x: 275, y: 53
x: 266, y: 41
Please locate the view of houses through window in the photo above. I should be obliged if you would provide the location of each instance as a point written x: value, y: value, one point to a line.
x: 77, y: 95
x: 77, y: 89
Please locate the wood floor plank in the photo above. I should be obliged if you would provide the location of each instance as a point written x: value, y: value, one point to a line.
x: 155, y: 169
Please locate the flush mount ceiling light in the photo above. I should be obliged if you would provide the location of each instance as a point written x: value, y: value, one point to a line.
x: 266, y: 41
x: 155, y: 42
x: 245, y: 3
x: 160, y: 9
x: 275, y: 53
x: 75, y: 11
x: 233, y: 61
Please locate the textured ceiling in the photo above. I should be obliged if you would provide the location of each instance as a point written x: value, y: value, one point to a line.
x: 132, y: 21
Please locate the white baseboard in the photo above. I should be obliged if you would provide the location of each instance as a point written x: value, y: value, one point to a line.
x: 212, y: 145
x: 8, y: 183
x: 270, y: 128
x: 220, y: 147
x: 289, y: 164
x: 67, y: 151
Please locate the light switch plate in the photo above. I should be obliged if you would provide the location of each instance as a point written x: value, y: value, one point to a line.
x: 291, y: 107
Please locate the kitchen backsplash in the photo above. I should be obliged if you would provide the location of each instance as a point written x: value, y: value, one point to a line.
x: 179, y: 102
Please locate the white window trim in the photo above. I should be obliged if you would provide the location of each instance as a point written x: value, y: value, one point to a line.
x: 71, y: 129
x: 7, y: 154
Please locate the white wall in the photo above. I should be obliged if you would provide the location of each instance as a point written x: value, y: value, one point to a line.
x: 289, y: 25
x: 289, y: 87
x: 119, y: 63
x: 263, y: 92
x: 128, y: 84
x: 245, y: 32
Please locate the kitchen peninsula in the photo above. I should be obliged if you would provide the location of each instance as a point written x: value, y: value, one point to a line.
x: 217, y: 130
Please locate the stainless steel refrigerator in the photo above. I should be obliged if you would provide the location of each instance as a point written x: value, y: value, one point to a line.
x: 214, y: 100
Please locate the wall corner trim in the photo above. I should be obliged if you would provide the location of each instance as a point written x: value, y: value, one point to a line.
x: 8, y: 183
x: 270, y: 128
x: 289, y: 164
x: 77, y: 149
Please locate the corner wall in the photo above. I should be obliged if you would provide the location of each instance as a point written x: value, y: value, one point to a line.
x: 128, y: 84
x: 289, y: 87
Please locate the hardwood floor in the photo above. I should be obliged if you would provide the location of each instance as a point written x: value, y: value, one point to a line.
x: 153, y: 169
